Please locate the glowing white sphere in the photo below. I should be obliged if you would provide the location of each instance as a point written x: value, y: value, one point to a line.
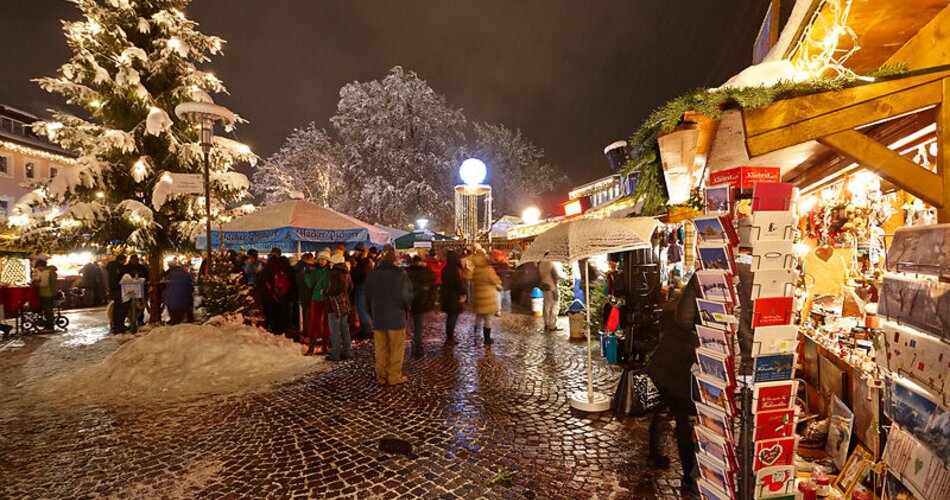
x: 473, y: 171
x: 531, y: 215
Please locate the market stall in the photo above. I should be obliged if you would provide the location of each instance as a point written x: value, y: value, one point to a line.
x: 295, y: 226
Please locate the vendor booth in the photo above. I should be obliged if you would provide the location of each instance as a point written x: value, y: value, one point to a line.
x: 295, y: 226
x: 418, y: 239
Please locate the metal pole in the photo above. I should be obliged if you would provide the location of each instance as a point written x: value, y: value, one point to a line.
x: 590, y: 356
x: 207, y: 148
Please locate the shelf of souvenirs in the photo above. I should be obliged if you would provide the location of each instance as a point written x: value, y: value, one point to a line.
x: 846, y: 338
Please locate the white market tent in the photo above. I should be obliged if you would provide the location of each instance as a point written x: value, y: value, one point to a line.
x: 296, y: 226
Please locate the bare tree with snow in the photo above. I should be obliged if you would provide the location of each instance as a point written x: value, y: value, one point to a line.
x: 307, y: 162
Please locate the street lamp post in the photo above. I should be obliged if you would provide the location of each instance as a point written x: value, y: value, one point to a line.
x: 473, y: 173
x: 205, y: 114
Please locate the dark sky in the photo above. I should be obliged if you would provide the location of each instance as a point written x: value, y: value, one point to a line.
x: 574, y: 75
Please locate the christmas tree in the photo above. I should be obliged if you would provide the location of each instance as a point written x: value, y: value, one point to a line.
x: 225, y: 295
x: 132, y: 63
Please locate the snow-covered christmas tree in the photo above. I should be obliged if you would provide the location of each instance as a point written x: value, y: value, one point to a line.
x: 224, y: 294
x: 132, y: 63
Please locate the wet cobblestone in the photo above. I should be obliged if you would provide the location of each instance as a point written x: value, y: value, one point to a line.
x: 469, y: 412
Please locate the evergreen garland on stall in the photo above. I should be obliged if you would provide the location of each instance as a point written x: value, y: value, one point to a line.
x: 644, y: 148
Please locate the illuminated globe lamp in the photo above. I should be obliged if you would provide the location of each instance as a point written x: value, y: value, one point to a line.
x: 531, y: 216
x: 473, y: 201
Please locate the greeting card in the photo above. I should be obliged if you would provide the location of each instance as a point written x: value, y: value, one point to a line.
x: 772, y: 311
x: 716, y: 365
x: 918, y: 468
x: 769, y: 396
x: 714, y: 313
x: 772, y: 196
x: 841, y: 423
x: 714, y: 420
x: 922, y: 357
x: 708, y: 491
x: 774, y: 283
x: 716, y: 257
x: 716, y: 285
x: 774, y: 424
x: 715, y: 339
x: 772, y: 255
x: 774, y: 339
x: 714, y: 472
x: 923, y: 304
x: 774, y: 452
x: 772, y: 481
x: 715, y: 446
x: 920, y: 250
x: 715, y: 393
x: 917, y: 411
x: 774, y: 367
x: 718, y: 200
x: 772, y: 226
x: 716, y: 228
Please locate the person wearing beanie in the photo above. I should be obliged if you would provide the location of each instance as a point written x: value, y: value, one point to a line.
x: 317, y: 279
x: 423, y: 299
x: 338, y: 312
x: 388, y: 299
x: 485, y: 286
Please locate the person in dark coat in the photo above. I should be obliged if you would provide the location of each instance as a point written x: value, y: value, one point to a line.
x: 136, y: 269
x: 304, y: 265
x: 179, y: 294
x: 119, y: 310
x: 338, y: 308
x: 276, y: 282
x: 670, y: 369
x: 452, y: 294
x: 423, y: 299
x: 93, y: 284
x: 388, y: 298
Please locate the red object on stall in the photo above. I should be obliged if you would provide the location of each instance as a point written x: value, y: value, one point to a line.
x: 745, y: 177
x: 15, y: 297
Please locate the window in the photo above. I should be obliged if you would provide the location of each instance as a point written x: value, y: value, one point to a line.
x: 53, y: 171
x: 4, y: 208
x: 4, y: 164
x: 29, y: 169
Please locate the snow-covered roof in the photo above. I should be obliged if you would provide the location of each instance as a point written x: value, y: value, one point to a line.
x: 298, y: 214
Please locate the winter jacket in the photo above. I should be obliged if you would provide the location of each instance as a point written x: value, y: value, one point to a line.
x: 669, y: 366
x: 45, y: 281
x: 134, y: 270
x: 550, y: 273
x: 423, y: 288
x: 339, y: 287
x: 113, y: 275
x: 318, y: 279
x: 452, y: 289
x: 388, y: 296
x: 179, y: 290
x: 91, y: 276
x: 304, y: 292
x: 503, y: 270
x: 250, y: 271
x: 485, y: 285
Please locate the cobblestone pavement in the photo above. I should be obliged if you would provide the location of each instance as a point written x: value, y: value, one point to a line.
x: 469, y: 412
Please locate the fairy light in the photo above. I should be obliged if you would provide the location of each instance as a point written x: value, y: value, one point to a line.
x: 139, y: 169
x: 174, y: 43
x: 95, y: 104
x: 27, y: 151
x: 100, y: 195
x: 831, y: 52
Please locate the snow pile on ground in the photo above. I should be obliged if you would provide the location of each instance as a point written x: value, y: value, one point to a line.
x: 182, y: 360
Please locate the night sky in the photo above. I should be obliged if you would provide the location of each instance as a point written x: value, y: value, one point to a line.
x: 573, y: 75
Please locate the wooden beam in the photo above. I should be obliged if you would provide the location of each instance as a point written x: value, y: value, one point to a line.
x: 943, y: 151
x: 844, y: 118
x: 891, y: 166
x: 929, y: 47
x: 787, y: 112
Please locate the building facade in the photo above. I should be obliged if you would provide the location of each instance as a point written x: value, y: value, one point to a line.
x: 25, y: 158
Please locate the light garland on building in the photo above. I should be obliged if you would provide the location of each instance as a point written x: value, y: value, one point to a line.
x: 839, y: 42
x: 28, y: 151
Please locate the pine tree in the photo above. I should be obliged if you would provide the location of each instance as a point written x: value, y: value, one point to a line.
x: 224, y: 295
x: 132, y: 63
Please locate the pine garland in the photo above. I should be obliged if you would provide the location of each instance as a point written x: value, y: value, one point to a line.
x: 644, y: 148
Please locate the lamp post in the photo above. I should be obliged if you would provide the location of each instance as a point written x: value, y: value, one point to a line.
x: 205, y: 114
x: 473, y: 172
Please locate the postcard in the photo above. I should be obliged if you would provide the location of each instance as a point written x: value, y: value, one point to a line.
x: 772, y: 481
x: 716, y: 257
x: 922, y: 357
x: 716, y: 365
x: 774, y: 424
x: 714, y: 313
x: 719, y: 200
x: 774, y: 283
x: 923, y: 304
x: 716, y: 229
x: 839, y: 432
x: 774, y: 367
x: 715, y: 446
x: 772, y: 196
x: 772, y: 226
x: 715, y: 393
x: 774, y: 452
x: 715, y: 339
x: 708, y: 491
x: 772, y: 311
x: 920, y: 250
x: 769, y: 396
x: 714, y: 420
x: 772, y: 255
x: 925, y: 474
x: 774, y: 339
x: 714, y: 472
x: 918, y: 413
x: 716, y: 285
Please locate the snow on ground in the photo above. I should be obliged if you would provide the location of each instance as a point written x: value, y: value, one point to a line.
x: 184, y: 360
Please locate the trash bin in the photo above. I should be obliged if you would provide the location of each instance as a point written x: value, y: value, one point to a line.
x: 577, y: 321
x: 537, y: 301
